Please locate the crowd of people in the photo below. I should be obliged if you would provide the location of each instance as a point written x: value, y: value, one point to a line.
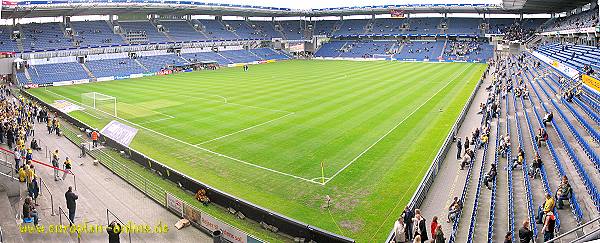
x: 458, y: 50
x: 502, y: 83
x: 584, y: 19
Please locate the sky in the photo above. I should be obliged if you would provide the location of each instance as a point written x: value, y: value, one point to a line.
x: 310, y: 4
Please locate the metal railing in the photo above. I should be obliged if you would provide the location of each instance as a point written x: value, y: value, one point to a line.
x: 561, y: 237
x: 108, y: 213
x: 62, y: 213
x: 49, y: 193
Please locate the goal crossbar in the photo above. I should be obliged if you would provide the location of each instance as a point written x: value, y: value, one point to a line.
x: 101, y: 102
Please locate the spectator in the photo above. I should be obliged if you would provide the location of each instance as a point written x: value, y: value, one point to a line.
x: 536, y: 166
x: 67, y: 166
x: 549, y: 225
x: 420, y: 226
x: 408, y: 215
x: 399, y: 229
x: 563, y: 193
x: 71, y: 198
x: 542, y: 136
x: 54, y: 160
x: 17, y: 155
x: 417, y: 239
x: 490, y: 176
x: 508, y: 237
x: 34, y: 190
x: 439, y: 235
x: 548, y: 206
x: 29, y: 211
x: 113, y: 230
x: 525, y: 234
x: 34, y: 145
x: 547, y: 118
x: 433, y: 227
x: 518, y: 161
x: 458, y: 148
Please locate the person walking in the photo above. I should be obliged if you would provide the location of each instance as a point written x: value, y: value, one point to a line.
x: 71, y: 198
x: 434, y: 225
x: 439, y: 235
x: 399, y: 228
x: 67, y: 167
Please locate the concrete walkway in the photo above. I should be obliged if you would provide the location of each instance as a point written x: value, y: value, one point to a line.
x: 98, y: 190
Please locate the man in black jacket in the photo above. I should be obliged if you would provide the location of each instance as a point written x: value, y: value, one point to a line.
x: 458, y: 148
x: 525, y: 235
x: 71, y: 204
x: 408, y: 215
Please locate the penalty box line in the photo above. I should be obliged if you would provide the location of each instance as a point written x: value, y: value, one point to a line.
x: 198, y: 147
x: 396, y: 126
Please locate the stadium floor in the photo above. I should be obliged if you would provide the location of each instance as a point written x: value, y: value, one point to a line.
x: 262, y: 135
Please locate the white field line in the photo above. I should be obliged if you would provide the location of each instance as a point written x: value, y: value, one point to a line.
x: 157, y: 120
x: 246, y: 129
x: 198, y: 147
x: 396, y: 126
x: 236, y: 104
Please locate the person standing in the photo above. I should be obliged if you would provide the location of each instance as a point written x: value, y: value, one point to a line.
x: 549, y: 225
x: 439, y: 235
x: 508, y: 237
x: 55, y: 158
x: 71, y: 198
x: 408, y: 215
x: 525, y: 234
x: 17, y: 155
x: 420, y: 226
x: 434, y: 225
x: 113, y: 230
x: 399, y: 229
x: 34, y: 190
x: 94, y: 139
x: 458, y: 148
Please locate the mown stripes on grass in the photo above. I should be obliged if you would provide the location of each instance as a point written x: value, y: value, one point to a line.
x: 339, y: 109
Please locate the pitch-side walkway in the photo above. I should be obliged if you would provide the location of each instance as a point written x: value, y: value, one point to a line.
x: 98, y: 190
x: 450, y: 180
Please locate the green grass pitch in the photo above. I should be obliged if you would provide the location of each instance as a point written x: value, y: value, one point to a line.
x: 262, y: 135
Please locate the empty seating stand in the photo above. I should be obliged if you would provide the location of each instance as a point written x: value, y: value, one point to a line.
x: 48, y: 73
x: 95, y: 33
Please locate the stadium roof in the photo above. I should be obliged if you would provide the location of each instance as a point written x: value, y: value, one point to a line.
x: 542, y: 6
x: 50, y: 8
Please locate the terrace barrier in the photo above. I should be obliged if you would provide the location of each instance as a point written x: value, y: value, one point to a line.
x: 281, y: 223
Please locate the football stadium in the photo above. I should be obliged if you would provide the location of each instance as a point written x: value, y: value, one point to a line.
x: 285, y: 121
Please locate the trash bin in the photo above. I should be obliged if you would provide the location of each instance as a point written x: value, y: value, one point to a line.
x: 217, y: 236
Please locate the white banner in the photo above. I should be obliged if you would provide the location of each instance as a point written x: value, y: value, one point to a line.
x: 106, y: 78
x: 137, y: 75
x: 229, y: 233
x: 119, y: 132
x: 175, y: 204
x: 571, y: 72
x: 66, y: 106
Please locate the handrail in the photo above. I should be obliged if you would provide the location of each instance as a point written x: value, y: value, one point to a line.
x: 108, y: 212
x: 61, y: 213
x: 493, y: 198
x: 573, y: 230
x: 51, y: 197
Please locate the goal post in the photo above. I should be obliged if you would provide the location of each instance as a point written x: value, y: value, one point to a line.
x: 105, y: 103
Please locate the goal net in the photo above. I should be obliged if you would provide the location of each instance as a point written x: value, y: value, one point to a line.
x: 104, y: 103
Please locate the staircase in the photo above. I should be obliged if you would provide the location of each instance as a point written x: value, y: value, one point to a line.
x: 20, y: 40
x: 120, y: 32
x: 155, y: 23
x: 141, y: 65
x: 28, y: 75
x: 10, y: 230
x: 87, y: 70
x: 199, y: 28
x: 279, y: 28
x: 369, y: 26
x: 229, y: 28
